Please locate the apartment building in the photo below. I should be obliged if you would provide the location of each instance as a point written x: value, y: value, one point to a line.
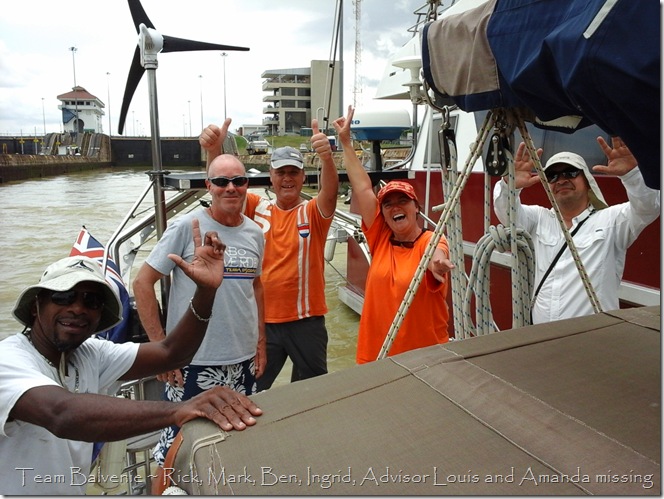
x: 297, y: 95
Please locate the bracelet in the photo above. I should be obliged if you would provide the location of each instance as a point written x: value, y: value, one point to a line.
x: 193, y: 311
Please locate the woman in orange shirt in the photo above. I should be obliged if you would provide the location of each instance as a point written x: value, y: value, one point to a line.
x: 397, y: 243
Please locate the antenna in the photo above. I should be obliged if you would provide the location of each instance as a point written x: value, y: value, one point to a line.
x: 357, y: 85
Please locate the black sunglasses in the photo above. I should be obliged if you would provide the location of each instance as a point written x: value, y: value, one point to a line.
x: 552, y: 177
x: 91, y: 300
x: 238, y: 181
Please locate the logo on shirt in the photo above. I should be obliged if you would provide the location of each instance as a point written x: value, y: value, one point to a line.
x: 304, y: 229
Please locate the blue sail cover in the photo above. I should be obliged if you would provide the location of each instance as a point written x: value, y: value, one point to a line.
x: 598, y: 60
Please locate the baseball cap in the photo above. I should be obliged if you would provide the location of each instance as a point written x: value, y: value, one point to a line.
x: 397, y: 186
x: 572, y: 159
x: 286, y: 156
x: 63, y: 275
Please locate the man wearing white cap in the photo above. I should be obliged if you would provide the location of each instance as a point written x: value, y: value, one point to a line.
x: 293, y: 277
x: 601, y: 234
x: 52, y: 375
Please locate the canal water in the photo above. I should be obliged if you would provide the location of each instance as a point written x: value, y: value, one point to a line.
x: 41, y: 218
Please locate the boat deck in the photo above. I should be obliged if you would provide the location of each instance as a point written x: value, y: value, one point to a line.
x: 570, y: 407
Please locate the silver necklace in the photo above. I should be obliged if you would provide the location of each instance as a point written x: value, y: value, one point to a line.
x: 61, y: 369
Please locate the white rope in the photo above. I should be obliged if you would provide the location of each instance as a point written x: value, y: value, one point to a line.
x: 433, y: 242
x: 458, y: 277
x: 497, y: 238
x: 590, y: 291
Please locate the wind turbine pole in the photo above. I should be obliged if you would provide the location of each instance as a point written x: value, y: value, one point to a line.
x: 150, y: 43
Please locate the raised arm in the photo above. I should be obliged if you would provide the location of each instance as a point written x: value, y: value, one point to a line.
x: 212, y: 140
x: 179, y: 347
x: 644, y: 203
x: 91, y: 417
x: 359, y: 178
x: 523, y: 168
x: 329, y: 182
x: 620, y: 159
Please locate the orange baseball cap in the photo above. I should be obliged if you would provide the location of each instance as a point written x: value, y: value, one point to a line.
x: 397, y: 186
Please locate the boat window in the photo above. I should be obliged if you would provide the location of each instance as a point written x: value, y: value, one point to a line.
x: 582, y: 142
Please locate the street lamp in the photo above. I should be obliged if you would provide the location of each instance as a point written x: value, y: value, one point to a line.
x: 189, y: 102
x: 73, y: 60
x: 223, y: 57
x: 200, y: 78
x: 108, y: 94
x: 44, y: 116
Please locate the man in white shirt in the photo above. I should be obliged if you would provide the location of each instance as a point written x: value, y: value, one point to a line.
x: 604, y: 233
x: 54, y: 376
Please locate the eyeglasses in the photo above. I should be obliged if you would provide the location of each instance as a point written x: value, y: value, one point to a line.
x: 552, y: 177
x: 90, y: 299
x: 238, y: 181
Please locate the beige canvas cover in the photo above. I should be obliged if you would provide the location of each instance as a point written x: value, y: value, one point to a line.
x: 464, y: 63
x: 570, y: 407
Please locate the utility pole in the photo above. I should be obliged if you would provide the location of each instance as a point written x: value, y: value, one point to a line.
x: 108, y: 95
x: 223, y: 56
x: 200, y: 77
x: 44, y: 116
x: 73, y: 59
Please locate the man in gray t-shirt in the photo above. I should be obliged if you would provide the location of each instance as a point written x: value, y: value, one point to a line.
x: 233, y: 351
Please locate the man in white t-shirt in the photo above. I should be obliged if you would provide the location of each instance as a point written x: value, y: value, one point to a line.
x: 53, y: 375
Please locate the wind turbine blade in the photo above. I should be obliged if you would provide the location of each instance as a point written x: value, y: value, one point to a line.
x: 173, y: 44
x: 135, y: 74
x: 138, y: 15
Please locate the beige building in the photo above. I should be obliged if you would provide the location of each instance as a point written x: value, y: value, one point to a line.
x: 297, y: 95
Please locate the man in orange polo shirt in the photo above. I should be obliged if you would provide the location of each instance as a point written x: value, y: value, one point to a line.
x: 293, y: 278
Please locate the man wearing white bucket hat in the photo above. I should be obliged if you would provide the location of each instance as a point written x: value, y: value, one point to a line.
x: 53, y: 375
x: 601, y: 234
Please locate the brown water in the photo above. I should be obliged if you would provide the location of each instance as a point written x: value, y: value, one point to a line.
x: 41, y: 218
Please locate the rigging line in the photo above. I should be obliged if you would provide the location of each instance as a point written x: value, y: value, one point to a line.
x: 433, y: 242
x: 585, y: 279
x: 332, y: 61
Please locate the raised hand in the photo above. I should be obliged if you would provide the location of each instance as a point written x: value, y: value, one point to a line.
x: 342, y: 126
x: 207, y: 267
x: 319, y: 141
x: 620, y: 158
x: 212, y: 137
x: 523, y: 168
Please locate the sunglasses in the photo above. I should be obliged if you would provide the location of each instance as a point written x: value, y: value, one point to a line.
x: 238, y: 181
x: 552, y: 177
x: 91, y: 300
x: 407, y: 244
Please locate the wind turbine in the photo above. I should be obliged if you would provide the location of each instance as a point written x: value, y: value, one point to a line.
x: 150, y: 43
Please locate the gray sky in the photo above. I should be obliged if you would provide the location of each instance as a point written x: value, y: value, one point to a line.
x: 36, y: 62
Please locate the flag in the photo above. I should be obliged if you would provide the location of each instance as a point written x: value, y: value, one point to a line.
x: 87, y: 245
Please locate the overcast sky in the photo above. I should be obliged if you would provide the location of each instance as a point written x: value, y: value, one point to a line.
x: 36, y: 61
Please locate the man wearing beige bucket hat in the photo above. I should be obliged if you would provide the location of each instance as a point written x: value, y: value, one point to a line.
x: 53, y: 375
x: 601, y: 234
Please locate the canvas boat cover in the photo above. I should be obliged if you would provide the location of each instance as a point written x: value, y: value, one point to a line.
x: 569, y: 63
x: 571, y: 407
